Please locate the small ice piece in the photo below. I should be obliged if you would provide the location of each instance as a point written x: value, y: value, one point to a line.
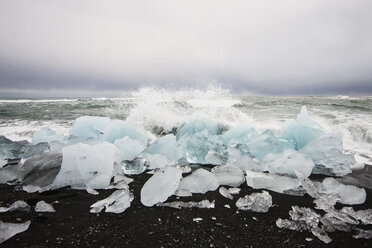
x: 308, y: 239
x: 180, y: 204
x: 135, y: 166
x: 8, y: 230
x: 234, y: 191
x: 345, y: 218
x: 42, y: 206
x: 326, y: 202
x: 363, y: 234
x: 35, y: 150
x: 331, y: 224
x: 16, y: 206
x: 256, y: 202
x: 160, y: 186
x: 258, y: 180
x: 328, y: 156
x: 306, y: 216
x: 40, y: 171
x: 182, y: 193
x: 291, y: 225
x: 247, y: 163
x: 321, y: 234
x: 197, y: 125
x: 119, y: 178
x: 32, y: 189
x: 197, y: 219
x: 118, y: 185
x: 165, y: 146
x: 86, y: 166
x: 200, y: 181
x: 128, y: 148
x: 267, y: 143
x: 349, y: 194
x: 229, y: 175
x: 185, y: 169
x: 227, y: 206
x: 117, y: 129
x: 364, y: 216
x: 225, y: 193
x: 287, y: 162
x: 116, y: 203
x: 215, y: 158
x: 9, y: 173
x: 89, y: 127
x: 92, y: 191
x: 45, y: 134
x: 313, y: 189
x: 301, y: 131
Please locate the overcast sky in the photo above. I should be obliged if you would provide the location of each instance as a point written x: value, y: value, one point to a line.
x: 279, y: 47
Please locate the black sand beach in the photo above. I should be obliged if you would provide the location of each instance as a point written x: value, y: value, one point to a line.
x: 73, y: 226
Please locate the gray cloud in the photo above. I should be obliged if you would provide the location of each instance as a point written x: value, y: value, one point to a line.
x: 264, y: 47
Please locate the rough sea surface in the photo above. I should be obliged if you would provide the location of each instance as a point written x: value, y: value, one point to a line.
x: 158, y: 111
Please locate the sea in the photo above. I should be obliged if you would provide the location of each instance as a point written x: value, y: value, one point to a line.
x: 160, y: 111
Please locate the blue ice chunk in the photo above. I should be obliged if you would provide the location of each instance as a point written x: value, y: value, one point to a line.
x: 266, y: 143
x: 242, y: 133
x: 199, y: 144
x: 301, y: 131
x: 89, y: 127
x: 328, y: 156
x: 194, y: 126
x: 128, y: 149
x: 117, y: 129
x: 45, y: 134
x: 165, y: 145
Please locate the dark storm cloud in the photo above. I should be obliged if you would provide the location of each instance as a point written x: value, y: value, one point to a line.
x: 262, y: 47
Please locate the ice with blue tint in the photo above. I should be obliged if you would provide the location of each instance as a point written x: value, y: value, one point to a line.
x: 135, y: 166
x: 45, y: 134
x: 128, y: 148
x: 160, y: 186
x: 328, y: 156
x: 242, y: 133
x: 229, y: 175
x: 200, y: 181
x: 266, y: 143
x: 89, y: 127
x: 301, y: 131
x: 165, y: 146
x: 157, y: 161
x: 117, y: 129
x: 280, y: 184
x: 198, y: 145
x: 197, y: 125
x: 287, y: 162
x: 86, y: 166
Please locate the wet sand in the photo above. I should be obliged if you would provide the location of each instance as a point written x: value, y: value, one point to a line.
x: 73, y: 226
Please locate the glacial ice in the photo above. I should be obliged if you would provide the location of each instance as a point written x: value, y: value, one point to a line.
x: 321, y: 234
x: 229, y: 175
x: 117, y: 129
x: 326, y: 202
x: 180, y: 204
x: 92, y: 191
x: 258, y: 180
x: 364, y: 216
x: 287, y: 162
x: 256, y: 202
x: 363, y: 234
x: 197, y: 125
x: 301, y: 131
x: 16, y: 206
x: 160, y: 186
x: 302, y: 219
x: 348, y: 194
x: 128, y: 148
x: 247, y: 163
x: 89, y: 127
x: 200, y: 181
x: 328, y: 156
x: 267, y: 143
x: 40, y: 171
x: 242, y: 133
x: 45, y: 134
x: 116, y: 203
x: 225, y: 193
x: 85, y: 166
x: 135, y: 166
x: 157, y: 160
x: 165, y: 146
x: 8, y: 230
x: 44, y: 207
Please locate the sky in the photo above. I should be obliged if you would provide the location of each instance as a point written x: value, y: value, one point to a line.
x: 107, y: 47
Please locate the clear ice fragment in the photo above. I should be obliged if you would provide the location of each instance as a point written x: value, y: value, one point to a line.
x: 225, y: 193
x: 16, y: 206
x: 256, y: 202
x: 349, y: 194
x: 200, y: 181
x: 258, y: 180
x: 363, y: 234
x: 128, y: 148
x: 321, y: 234
x: 364, y: 216
x: 135, y: 166
x: 234, y: 191
x: 116, y: 203
x: 42, y: 206
x: 8, y: 230
x: 229, y: 175
x: 45, y: 134
x: 92, y: 191
x: 180, y: 204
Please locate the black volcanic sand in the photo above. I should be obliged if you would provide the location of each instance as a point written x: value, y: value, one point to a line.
x: 139, y: 226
